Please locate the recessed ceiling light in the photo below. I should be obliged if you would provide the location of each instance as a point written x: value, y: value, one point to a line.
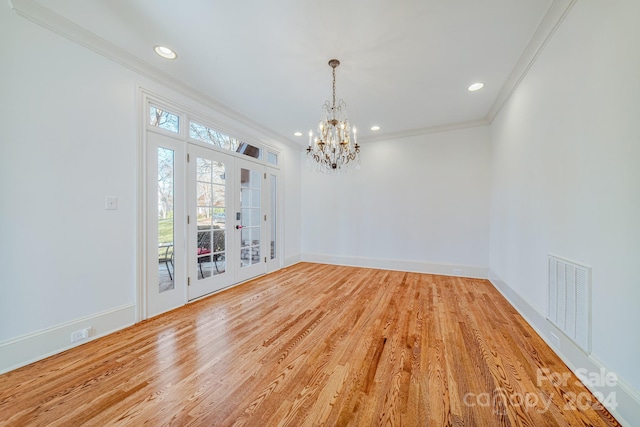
x: 165, y: 52
x: 375, y: 127
x: 475, y: 86
x: 298, y: 134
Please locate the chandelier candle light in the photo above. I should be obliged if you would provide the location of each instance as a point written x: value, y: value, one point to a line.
x: 334, y: 150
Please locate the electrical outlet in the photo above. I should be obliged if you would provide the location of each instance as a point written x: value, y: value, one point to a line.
x: 555, y: 340
x: 80, y: 335
x: 457, y: 271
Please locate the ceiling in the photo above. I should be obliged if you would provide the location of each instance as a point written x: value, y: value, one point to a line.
x: 405, y: 65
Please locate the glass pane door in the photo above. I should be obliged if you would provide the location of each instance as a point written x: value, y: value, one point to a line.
x: 211, y: 214
x: 210, y: 176
x: 249, y: 220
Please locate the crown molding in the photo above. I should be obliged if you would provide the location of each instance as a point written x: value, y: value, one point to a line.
x: 551, y: 21
x: 547, y: 27
x: 58, y: 24
x: 77, y: 34
x: 425, y: 131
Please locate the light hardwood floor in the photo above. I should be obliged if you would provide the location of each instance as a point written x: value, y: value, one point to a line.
x: 313, y: 345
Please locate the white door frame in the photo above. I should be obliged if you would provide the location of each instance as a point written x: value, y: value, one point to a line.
x: 146, y: 213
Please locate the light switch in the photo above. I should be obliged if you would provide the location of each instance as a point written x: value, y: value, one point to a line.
x: 112, y: 203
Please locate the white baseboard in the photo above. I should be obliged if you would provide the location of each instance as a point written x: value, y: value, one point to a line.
x: 30, y: 348
x: 400, y: 265
x: 625, y: 400
x: 291, y: 260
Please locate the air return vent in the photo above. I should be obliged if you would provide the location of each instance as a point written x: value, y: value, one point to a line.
x: 569, y: 300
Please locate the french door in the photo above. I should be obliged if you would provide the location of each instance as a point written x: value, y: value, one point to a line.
x: 211, y: 210
x: 225, y: 220
x: 249, y: 220
x: 211, y: 221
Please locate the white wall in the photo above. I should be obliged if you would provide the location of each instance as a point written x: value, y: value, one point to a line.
x: 419, y: 203
x: 69, y: 138
x: 292, y: 210
x: 566, y: 178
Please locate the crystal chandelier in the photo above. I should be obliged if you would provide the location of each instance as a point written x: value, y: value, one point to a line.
x: 333, y: 149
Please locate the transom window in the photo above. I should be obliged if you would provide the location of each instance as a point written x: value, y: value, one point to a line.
x: 161, y: 118
x: 213, y: 137
x: 164, y: 119
x: 218, y: 139
x: 272, y: 158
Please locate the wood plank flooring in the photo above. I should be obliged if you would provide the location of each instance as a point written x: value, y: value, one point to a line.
x: 313, y: 345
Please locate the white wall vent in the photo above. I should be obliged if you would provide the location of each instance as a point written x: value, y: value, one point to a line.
x: 569, y: 300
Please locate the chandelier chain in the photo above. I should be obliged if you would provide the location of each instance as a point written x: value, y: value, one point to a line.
x: 334, y: 91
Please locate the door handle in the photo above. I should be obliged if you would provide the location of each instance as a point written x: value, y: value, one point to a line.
x: 238, y: 227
